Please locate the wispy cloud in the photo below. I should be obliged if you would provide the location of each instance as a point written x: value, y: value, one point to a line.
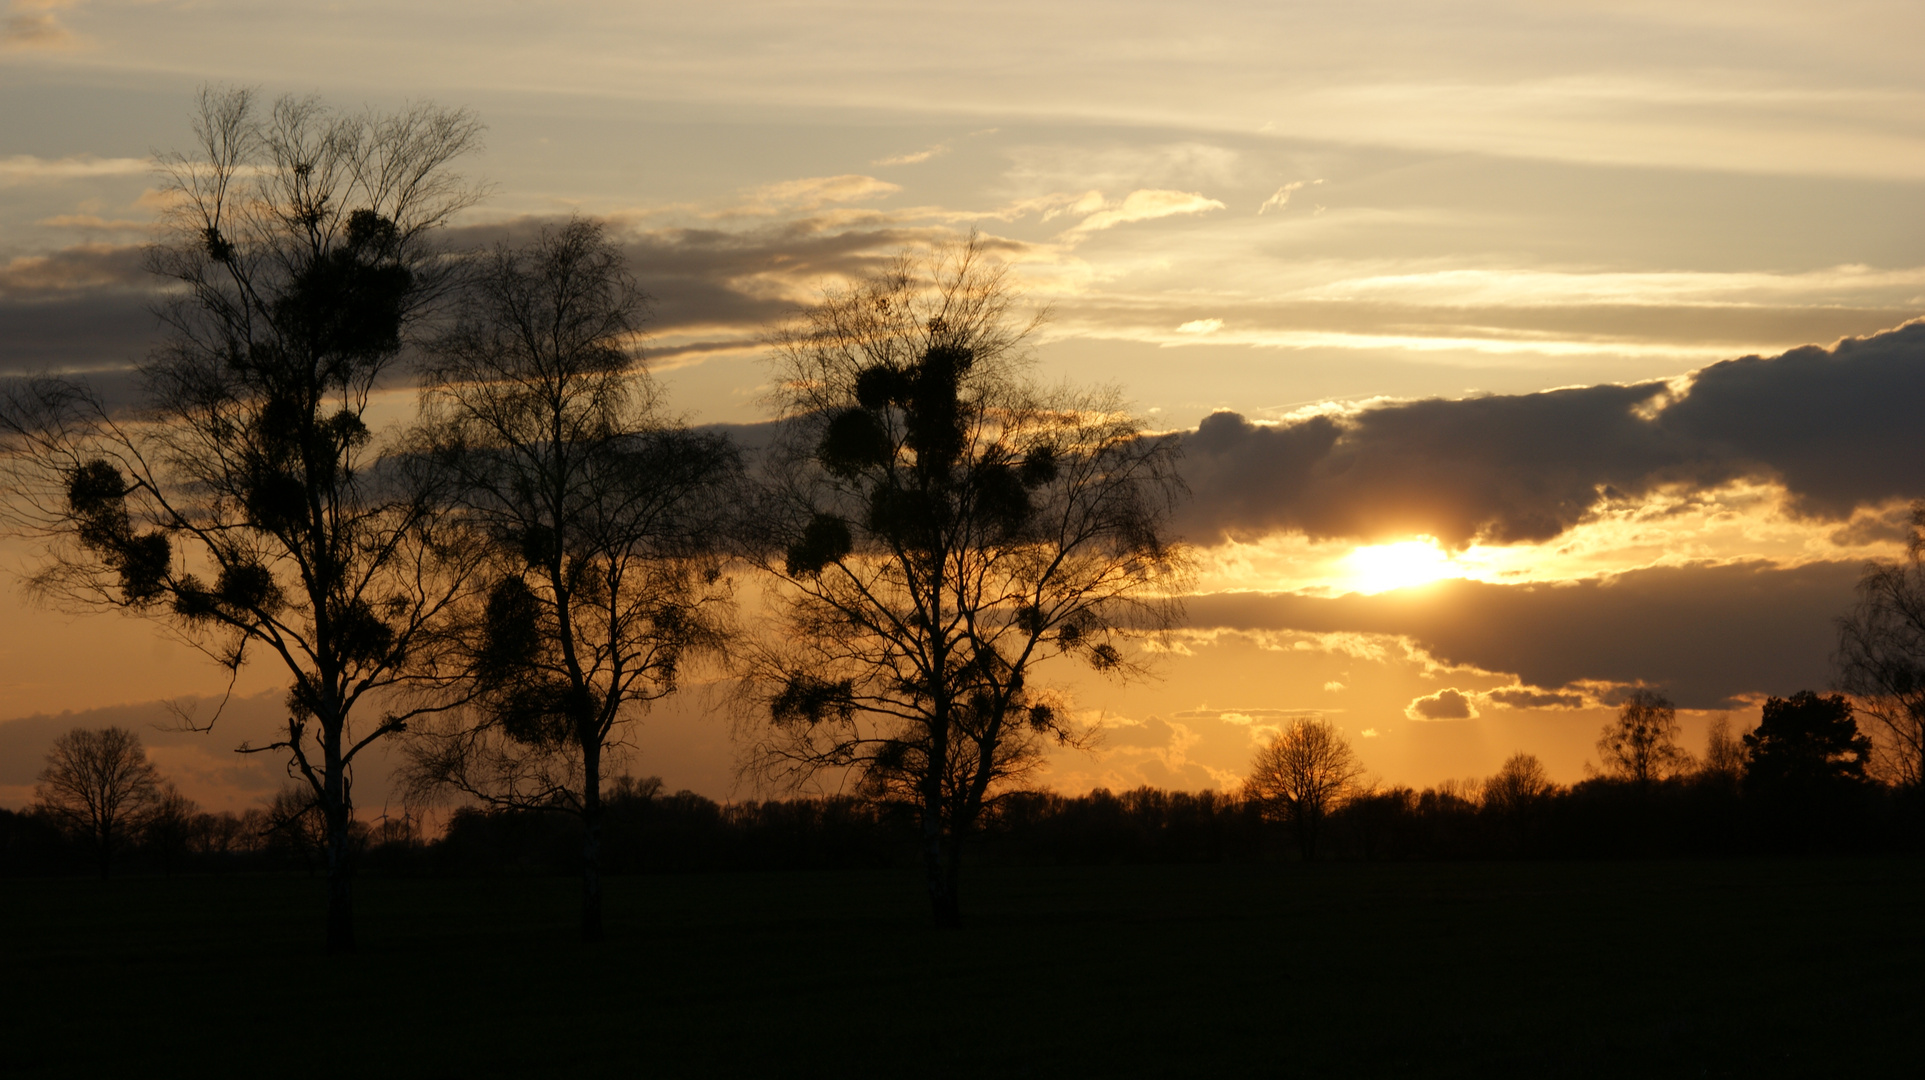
x: 812, y: 193
x: 914, y: 158
x: 30, y: 24
x: 1147, y: 204
x: 95, y: 223
x: 1281, y: 198
x: 28, y: 169
x: 88, y: 267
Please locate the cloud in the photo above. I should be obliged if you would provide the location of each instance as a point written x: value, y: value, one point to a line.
x: 79, y: 308
x: 813, y: 193
x: 1145, y: 205
x: 94, y: 223
x: 1200, y: 326
x: 1835, y: 426
x: 1706, y: 634
x: 28, y: 169
x: 1281, y: 198
x: 1525, y: 697
x: 83, y: 268
x: 914, y: 158
x: 713, y: 289
x: 31, y: 25
x: 1447, y: 704
x: 1154, y: 752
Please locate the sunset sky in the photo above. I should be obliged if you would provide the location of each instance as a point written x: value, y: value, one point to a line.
x: 1512, y: 343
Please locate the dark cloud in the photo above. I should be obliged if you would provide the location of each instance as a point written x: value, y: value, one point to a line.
x: 1705, y: 634
x: 742, y: 279
x: 74, y: 270
x: 704, y: 277
x: 1837, y: 427
x: 85, y: 333
x: 88, y: 306
x: 1524, y: 697
x: 1447, y: 704
x: 81, y: 308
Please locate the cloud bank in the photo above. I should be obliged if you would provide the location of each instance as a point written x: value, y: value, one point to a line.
x: 1837, y: 427
x: 1706, y: 634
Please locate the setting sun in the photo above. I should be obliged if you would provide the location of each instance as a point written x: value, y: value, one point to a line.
x: 1383, y: 567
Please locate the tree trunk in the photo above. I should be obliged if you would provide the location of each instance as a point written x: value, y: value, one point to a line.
x: 940, y: 866
x: 942, y: 906
x: 340, y: 884
x: 338, y: 812
x: 591, y: 845
x: 950, y: 916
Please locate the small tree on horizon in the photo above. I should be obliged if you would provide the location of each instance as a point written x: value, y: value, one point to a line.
x: 1722, y: 768
x: 1881, y: 660
x: 1303, y: 775
x: 1641, y: 745
x: 99, y: 784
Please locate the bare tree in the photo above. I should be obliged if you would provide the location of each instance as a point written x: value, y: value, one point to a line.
x: 935, y: 527
x: 1641, y: 745
x: 245, y: 504
x: 1881, y: 659
x: 600, y: 518
x: 1519, y: 786
x: 1303, y: 775
x: 1723, y: 765
x: 1517, y: 796
x: 99, y: 784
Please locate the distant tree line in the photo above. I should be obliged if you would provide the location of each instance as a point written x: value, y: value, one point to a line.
x: 1796, y: 785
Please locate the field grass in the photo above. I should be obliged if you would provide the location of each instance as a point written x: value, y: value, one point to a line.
x: 1570, y: 969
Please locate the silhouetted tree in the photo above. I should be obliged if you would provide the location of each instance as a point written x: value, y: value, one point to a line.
x: 244, y: 503
x: 1805, y: 745
x: 294, y: 823
x: 1304, y: 774
x: 936, y: 526
x: 1881, y: 659
x: 1520, y: 784
x: 169, y: 827
x: 1518, y: 795
x: 100, y: 785
x: 600, y: 518
x: 1723, y: 765
x: 1641, y: 745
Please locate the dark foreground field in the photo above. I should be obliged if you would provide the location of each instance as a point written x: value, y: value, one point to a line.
x: 1609, y: 969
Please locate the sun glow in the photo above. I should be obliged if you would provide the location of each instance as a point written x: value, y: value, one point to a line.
x: 1382, y: 567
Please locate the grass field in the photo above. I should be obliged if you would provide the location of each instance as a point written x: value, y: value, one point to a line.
x: 1599, y: 969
